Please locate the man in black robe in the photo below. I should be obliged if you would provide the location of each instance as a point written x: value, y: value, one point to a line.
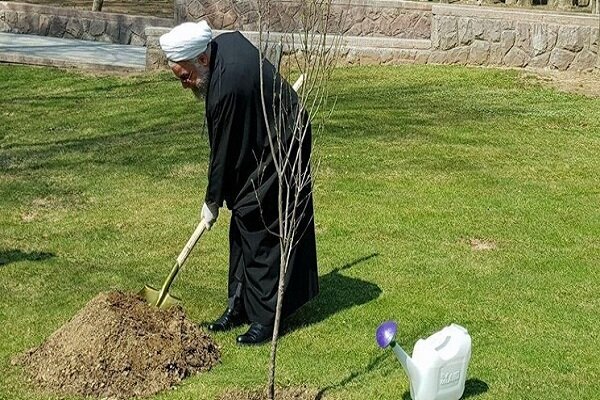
x: 242, y: 175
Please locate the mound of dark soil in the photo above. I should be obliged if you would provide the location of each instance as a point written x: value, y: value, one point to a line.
x: 118, y: 347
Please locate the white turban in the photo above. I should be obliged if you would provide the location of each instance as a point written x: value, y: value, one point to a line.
x: 186, y: 41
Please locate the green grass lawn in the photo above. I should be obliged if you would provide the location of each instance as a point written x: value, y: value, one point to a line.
x: 102, y: 179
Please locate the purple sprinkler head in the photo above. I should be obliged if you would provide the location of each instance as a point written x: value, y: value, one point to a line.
x: 385, y: 333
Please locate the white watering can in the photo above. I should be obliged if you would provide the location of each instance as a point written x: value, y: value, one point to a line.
x: 438, y: 367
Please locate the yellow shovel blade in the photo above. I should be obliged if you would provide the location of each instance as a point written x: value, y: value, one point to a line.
x: 151, y: 296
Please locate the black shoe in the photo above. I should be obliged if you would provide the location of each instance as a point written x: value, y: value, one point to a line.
x: 229, y: 320
x: 257, y: 334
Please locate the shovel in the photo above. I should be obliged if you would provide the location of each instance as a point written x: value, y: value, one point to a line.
x: 161, y: 298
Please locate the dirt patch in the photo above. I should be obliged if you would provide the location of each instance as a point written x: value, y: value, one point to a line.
x: 584, y: 83
x: 41, y: 207
x: 119, y: 347
x: 482, y: 244
x: 290, y: 393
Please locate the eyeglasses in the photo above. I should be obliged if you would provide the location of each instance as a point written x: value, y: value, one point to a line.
x: 184, y: 77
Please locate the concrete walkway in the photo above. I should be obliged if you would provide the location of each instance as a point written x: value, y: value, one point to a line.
x: 42, y: 50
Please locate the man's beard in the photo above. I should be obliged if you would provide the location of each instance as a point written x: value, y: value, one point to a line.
x: 201, y: 87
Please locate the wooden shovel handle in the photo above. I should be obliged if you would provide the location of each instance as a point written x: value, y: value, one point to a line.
x: 298, y: 84
x: 164, y: 290
x: 200, y: 229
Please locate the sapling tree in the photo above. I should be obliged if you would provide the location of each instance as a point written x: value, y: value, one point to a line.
x: 305, y: 47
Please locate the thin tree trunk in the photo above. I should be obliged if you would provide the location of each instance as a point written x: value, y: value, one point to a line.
x: 313, y: 57
x: 597, y: 12
x: 97, y: 6
x: 271, y: 384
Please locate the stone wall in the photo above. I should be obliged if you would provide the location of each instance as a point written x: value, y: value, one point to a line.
x: 375, y: 31
x: 542, y: 5
x: 76, y: 24
x: 155, y: 58
x: 480, y: 36
x: 353, y: 50
x: 379, y: 18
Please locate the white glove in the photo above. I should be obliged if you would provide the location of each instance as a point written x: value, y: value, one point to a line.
x: 209, y: 214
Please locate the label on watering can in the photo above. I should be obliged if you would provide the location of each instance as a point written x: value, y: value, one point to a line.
x: 450, y: 375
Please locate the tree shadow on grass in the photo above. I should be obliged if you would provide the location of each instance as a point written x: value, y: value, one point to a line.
x: 473, y: 387
x: 337, y: 292
x: 10, y: 256
x: 375, y: 361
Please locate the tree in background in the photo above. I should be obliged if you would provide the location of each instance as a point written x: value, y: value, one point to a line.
x: 97, y: 6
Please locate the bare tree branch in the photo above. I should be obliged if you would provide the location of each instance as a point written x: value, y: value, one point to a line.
x: 305, y: 48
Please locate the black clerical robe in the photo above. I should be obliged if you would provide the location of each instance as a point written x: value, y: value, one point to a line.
x: 242, y: 174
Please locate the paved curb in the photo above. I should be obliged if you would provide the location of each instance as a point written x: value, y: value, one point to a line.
x: 40, y: 50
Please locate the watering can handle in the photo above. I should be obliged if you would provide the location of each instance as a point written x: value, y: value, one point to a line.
x: 200, y: 229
